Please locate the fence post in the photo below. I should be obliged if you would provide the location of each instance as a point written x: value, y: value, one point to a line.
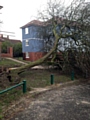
x: 72, y: 75
x: 52, y: 79
x: 24, y: 86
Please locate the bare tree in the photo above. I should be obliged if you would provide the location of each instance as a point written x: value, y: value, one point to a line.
x: 72, y: 26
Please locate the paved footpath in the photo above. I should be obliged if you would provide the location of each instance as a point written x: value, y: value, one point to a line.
x: 68, y: 103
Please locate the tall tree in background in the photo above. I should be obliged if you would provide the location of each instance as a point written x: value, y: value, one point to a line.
x: 5, y: 46
x: 17, y: 50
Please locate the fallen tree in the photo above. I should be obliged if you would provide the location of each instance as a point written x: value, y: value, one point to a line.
x: 69, y: 27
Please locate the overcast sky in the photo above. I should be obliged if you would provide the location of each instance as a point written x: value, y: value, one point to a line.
x: 16, y: 13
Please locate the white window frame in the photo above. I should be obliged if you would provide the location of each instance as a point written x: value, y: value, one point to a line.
x: 26, y: 30
x: 27, y: 54
x: 27, y: 42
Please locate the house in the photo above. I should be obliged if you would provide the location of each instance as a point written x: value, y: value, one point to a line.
x: 6, y: 38
x: 32, y: 40
x: 35, y: 35
x: 35, y: 38
x: 10, y: 49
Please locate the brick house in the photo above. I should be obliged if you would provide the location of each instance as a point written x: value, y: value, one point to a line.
x: 10, y: 49
x: 32, y: 40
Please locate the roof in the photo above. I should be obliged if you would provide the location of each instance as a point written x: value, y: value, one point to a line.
x: 59, y: 20
x: 42, y: 23
x: 34, y: 22
x: 13, y: 41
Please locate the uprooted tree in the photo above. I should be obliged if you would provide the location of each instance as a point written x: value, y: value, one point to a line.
x: 67, y: 32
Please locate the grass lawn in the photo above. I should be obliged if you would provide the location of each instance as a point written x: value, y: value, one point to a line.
x: 41, y: 78
x: 8, y: 63
x: 7, y: 99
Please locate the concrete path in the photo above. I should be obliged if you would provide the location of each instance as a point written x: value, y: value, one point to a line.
x: 68, y: 103
x: 35, y: 67
x: 17, y: 61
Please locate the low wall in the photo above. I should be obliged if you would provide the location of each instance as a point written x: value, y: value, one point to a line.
x: 9, y: 53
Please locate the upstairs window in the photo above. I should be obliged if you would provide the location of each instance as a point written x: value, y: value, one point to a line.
x: 27, y: 43
x: 26, y: 31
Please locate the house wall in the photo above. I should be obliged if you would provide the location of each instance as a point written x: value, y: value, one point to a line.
x: 35, y: 45
x: 33, y: 56
x: 35, y: 48
x: 34, y: 32
x: 36, y: 42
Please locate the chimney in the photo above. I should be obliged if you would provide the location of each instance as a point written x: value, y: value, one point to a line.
x: 1, y: 35
x: 7, y: 36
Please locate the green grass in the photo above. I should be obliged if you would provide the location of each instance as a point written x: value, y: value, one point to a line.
x: 9, y: 97
x: 8, y: 63
x: 1, y: 117
x: 41, y: 78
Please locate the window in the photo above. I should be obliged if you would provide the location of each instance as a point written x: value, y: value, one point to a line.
x: 27, y: 43
x: 26, y: 31
x: 27, y: 55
